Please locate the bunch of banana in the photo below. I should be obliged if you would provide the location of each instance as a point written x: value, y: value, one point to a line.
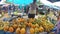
x: 1, y: 25
x: 48, y: 26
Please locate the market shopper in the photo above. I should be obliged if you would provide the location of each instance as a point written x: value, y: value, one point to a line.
x: 58, y: 25
x: 32, y: 9
x: 13, y: 7
x: 9, y: 10
x: 0, y: 8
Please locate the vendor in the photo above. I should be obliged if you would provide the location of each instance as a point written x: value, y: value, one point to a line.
x: 32, y: 9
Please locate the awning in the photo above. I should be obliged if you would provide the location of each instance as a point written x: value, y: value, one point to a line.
x: 51, y: 5
x: 57, y: 4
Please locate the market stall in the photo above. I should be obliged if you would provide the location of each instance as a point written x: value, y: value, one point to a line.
x: 16, y: 21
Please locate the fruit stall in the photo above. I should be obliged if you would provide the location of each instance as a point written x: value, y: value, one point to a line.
x: 14, y: 19
x: 39, y: 25
x: 17, y: 23
x: 21, y: 24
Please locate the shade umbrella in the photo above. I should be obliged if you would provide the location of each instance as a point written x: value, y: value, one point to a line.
x: 20, y: 2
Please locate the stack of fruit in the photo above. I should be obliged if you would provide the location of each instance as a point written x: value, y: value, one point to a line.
x: 19, y: 25
x: 1, y: 25
x: 48, y: 26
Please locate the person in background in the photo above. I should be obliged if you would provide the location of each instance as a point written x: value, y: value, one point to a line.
x: 58, y: 24
x: 32, y: 9
x: 0, y: 9
x: 23, y: 11
x: 48, y: 11
x: 27, y: 9
x: 13, y: 7
x: 9, y: 9
x: 36, y: 11
x: 55, y: 13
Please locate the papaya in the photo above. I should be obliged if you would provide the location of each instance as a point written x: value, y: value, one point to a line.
x: 22, y: 31
x: 11, y: 29
x: 32, y: 30
x: 41, y: 29
x: 18, y: 30
x: 6, y: 28
x: 15, y: 26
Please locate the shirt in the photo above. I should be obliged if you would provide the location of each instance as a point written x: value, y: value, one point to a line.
x: 32, y: 9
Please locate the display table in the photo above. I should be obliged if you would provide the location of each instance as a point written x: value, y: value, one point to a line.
x: 26, y: 17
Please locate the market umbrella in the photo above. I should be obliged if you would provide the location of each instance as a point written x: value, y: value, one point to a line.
x: 20, y: 2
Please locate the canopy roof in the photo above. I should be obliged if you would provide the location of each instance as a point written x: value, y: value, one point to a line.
x: 20, y: 2
x: 50, y: 4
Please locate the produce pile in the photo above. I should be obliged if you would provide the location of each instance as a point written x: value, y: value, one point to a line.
x: 19, y: 25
